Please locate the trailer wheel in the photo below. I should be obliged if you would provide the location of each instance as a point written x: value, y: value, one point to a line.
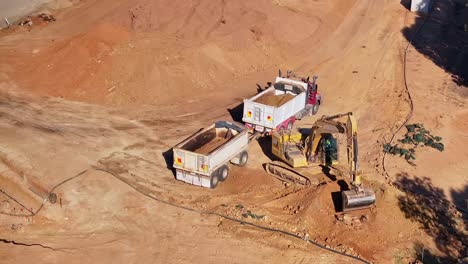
x: 214, y: 180
x: 315, y: 108
x: 244, y: 157
x: 223, y: 173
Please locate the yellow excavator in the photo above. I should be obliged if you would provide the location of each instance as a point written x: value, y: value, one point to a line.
x: 320, y: 147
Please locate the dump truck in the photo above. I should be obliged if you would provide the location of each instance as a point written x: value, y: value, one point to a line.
x: 203, y: 158
x: 278, y: 107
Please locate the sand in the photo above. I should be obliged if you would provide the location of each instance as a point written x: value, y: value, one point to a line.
x: 274, y: 100
x: 210, y: 146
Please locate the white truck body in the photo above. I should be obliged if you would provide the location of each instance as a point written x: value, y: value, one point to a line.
x: 267, y: 117
x: 197, y: 167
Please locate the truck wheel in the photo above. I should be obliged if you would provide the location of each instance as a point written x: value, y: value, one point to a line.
x: 290, y: 126
x: 300, y: 115
x: 244, y: 157
x: 223, y: 173
x: 281, y: 130
x: 315, y: 108
x: 214, y: 180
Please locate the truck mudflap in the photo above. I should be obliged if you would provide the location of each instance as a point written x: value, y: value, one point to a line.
x: 261, y: 129
x: 287, y: 124
x: 193, y: 178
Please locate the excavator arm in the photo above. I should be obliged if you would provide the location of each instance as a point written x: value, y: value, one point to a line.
x: 284, y: 146
x: 358, y: 197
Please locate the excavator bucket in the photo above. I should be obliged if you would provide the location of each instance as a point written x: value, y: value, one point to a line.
x: 357, y: 199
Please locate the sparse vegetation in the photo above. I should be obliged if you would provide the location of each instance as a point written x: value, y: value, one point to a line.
x: 416, y: 136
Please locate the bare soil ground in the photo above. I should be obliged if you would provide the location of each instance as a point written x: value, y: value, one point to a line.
x: 91, y: 105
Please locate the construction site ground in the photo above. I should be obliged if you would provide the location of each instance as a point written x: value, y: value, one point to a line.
x: 92, y: 104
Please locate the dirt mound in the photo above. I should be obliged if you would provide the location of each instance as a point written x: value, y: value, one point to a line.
x: 274, y: 100
x: 157, y: 51
x: 210, y: 146
x: 75, y: 68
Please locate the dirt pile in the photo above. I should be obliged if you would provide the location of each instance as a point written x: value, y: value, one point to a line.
x: 76, y: 66
x: 210, y: 146
x: 274, y: 100
x: 155, y: 51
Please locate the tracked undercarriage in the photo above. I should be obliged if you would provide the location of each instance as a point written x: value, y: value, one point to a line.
x: 309, y: 176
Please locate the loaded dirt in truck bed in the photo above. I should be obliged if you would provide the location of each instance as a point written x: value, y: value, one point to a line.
x: 274, y: 100
x: 210, y: 146
x: 215, y: 137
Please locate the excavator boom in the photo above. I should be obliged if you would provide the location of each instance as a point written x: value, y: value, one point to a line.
x: 357, y: 197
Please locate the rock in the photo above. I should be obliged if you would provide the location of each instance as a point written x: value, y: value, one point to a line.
x: 296, y: 211
x: 15, y: 227
x: 339, y: 217
x: 347, y: 219
x: 47, y: 17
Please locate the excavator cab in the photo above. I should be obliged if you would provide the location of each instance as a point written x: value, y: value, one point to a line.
x: 326, y: 151
x: 330, y: 150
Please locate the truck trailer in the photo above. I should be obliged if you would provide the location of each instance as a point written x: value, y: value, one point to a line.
x: 278, y: 107
x: 203, y: 159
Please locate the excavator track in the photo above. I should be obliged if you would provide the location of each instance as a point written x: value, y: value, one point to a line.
x: 285, y: 174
